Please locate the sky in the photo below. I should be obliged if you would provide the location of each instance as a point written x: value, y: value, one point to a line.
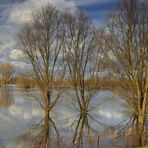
x: 15, y: 13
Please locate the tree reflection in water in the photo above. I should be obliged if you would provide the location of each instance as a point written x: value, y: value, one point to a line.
x: 42, y: 135
x: 46, y: 134
x: 6, y: 99
x: 122, y: 135
x: 126, y: 134
x: 84, y: 133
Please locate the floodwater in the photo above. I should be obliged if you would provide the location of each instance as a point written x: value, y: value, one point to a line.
x: 23, y: 124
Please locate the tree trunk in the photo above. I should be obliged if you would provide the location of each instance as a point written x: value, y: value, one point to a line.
x: 47, y: 103
x: 140, y: 128
x: 46, y: 133
x: 46, y: 125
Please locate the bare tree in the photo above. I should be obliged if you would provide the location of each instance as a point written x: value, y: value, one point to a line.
x: 129, y: 49
x: 6, y: 72
x: 83, y: 56
x: 41, y: 42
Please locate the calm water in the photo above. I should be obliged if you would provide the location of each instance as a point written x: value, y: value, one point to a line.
x: 22, y: 121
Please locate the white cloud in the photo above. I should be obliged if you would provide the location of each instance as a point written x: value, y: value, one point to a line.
x: 16, y: 54
x: 111, y: 114
x: 14, y: 17
x: 19, y: 65
x: 21, y: 13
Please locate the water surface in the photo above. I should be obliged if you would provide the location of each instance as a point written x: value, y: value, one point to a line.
x: 23, y: 124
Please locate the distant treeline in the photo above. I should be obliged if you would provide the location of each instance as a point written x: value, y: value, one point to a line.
x: 103, y: 84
